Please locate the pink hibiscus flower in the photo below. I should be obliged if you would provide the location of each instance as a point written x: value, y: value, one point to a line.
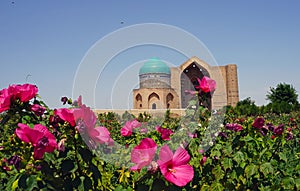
x: 86, y: 120
x: 165, y: 133
x: 206, y: 85
x: 126, y: 130
x: 143, y: 153
x: 4, y: 100
x: 24, y: 92
x: 175, y: 168
x: 100, y: 135
x: 66, y: 115
x: 42, y: 140
x: 85, y: 115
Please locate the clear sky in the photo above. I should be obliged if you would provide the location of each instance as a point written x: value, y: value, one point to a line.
x: 44, y: 42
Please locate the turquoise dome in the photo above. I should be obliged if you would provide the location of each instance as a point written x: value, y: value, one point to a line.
x: 154, y: 65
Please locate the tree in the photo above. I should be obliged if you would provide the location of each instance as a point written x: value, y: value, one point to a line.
x: 247, y: 107
x: 284, y: 98
x: 283, y: 93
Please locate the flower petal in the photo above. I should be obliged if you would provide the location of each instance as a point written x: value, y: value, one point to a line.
x: 103, y: 135
x: 165, y: 155
x: 181, y: 157
x: 28, y: 135
x: 181, y: 176
x: 143, y: 153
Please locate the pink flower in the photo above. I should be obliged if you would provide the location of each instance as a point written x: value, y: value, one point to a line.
x: 165, y: 133
x: 86, y: 115
x: 143, y: 153
x: 4, y: 100
x: 234, y: 127
x: 126, y: 130
x: 38, y: 109
x: 66, y: 115
x: 206, y: 85
x: 86, y: 120
x: 175, y: 168
x: 258, y: 122
x: 100, y: 135
x: 24, y: 92
x: 42, y: 140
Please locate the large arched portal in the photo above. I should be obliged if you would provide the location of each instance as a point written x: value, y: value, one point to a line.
x: 188, y: 79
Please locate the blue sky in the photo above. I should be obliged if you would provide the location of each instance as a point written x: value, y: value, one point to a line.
x: 49, y: 39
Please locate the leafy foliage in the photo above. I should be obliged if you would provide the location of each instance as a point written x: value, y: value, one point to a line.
x: 222, y: 159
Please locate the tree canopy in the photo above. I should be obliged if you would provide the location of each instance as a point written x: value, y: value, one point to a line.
x: 283, y: 93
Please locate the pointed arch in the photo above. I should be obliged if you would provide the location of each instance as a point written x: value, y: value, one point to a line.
x: 170, y: 97
x: 169, y: 100
x: 152, y: 96
x: 154, y: 101
x: 138, y: 97
x: 139, y: 101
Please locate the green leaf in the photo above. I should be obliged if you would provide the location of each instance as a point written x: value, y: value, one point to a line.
x: 266, y: 168
x: 263, y: 152
x: 238, y: 157
x: 205, y: 187
x: 297, y: 182
x: 233, y: 175
x: 227, y: 163
x: 265, y: 188
x: 282, y: 156
x: 215, y: 153
x: 15, y: 184
x: 243, y: 179
x: 288, y: 183
x: 218, y: 172
x: 250, y: 170
x: 247, y: 138
x: 31, y: 182
x: 227, y: 150
x: 216, y: 186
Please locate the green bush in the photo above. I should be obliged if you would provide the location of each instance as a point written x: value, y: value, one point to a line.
x: 231, y: 152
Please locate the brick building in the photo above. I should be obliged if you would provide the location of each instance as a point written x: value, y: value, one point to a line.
x: 164, y: 87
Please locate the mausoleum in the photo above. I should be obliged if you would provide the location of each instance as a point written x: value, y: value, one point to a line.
x: 163, y: 87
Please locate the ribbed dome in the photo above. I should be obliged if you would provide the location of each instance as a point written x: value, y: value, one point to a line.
x: 154, y: 65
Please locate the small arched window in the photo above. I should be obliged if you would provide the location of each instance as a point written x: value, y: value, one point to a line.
x: 153, y: 106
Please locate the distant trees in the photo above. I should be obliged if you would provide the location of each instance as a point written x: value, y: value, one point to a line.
x: 283, y: 98
x: 283, y: 93
x: 247, y: 107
